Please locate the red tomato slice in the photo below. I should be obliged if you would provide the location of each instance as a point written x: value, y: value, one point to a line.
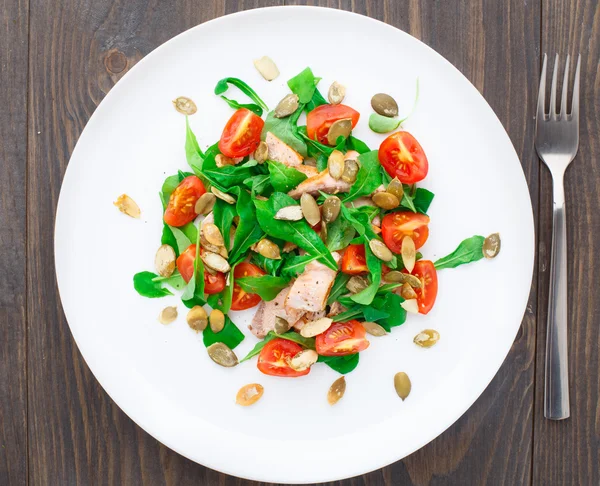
x: 354, y: 261
x: 401, y: 156
x: 426, y: 272
x: 241, y: 135
x: 322, y: 117
x: 395, y: 226
x: 275, y: 356
x: 213, y: 284
x: 241, y: 300
x: 342, y: 338
x: 180, y: 209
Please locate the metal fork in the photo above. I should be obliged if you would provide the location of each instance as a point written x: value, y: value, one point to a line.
x: 556, y: 142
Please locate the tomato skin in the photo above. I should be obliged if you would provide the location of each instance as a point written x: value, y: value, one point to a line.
x: 274, y: 357
x: 241, y: 134
x: 354, y: 260
x: 241, y: 300
x: 426, y: 295
x: 213, y: 284
x: 180, y: 210
x: 322, y: 117
x: 403, y: 157
x: 341, y: 339
x: 395, y: 226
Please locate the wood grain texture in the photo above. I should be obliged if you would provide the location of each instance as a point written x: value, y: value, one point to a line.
x: 568, y: 452
x: 13, y: 149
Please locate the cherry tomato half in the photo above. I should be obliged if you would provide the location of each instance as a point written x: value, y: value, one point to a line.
x: 395, y: 226
x: 354, y: 261
x: 401, y: 156
x: 426, y: 272
x: 241, y: 135
x: 342, y: 338
x: 322, y: 117
x: 275, y: 356
x: 213, y: 284
x: 180, y: 209
x: 241, y: 300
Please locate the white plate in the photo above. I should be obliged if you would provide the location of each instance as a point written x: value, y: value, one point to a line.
x: 161, y: 375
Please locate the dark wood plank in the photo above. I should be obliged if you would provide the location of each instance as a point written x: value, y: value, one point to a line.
x: 568, y: 452
x: 13, y: 174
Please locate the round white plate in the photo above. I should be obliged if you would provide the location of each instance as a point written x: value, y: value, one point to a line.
x: 161, y: 375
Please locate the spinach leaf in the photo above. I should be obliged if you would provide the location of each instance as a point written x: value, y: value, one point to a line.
x: 390, y: 303
x: 321, y: 162
x: 268, y: 264
x: 257, y: 110
x: 422, y: 200
x: 304, y: 85
x: 230, y: 335
x: 258, y: 184
x: 341, y: 364
x: 193, y: 294
x: 167, y: 189
x: 144, y: 285
x: 223, y: 215
x: 338, y: 288
x: 168, y: 238
x: 176, y: 281
x: 316, y: 148
x: 368, y: 178
x: 353, y: 143
x: 248, y: 231
x: 316, y: 100
x: 286, y: 129
x: 354, y: 312
x: 366, y: 296
x: 181, y: 239
x: 339, y: 234
x: 373, y: 314
x: 223, y: 85
x: 284, y: 178
x: 469, y: 250
x: 295, y: 264
x: 298, y: 232
x: 258, y: 347
x: 229, y: 175
x: 267, y: 286
x: 308, y: 343
x: 193, y: 153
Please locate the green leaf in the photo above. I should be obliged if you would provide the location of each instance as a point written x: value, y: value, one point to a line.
x: 228, y: 176
x: 390, y: 303
x: 469, y: 250
x: 308, y: 343
x: 258, y: 347
x: 383, y: 124
x: 422, y: 200
x: 286, y: 130
x: 230, y: 335
x: 353, y: 143
x: 338, y: 288
x: 223, y: 215
x: 316, y: 100
x: 257, y: 110
x: 295, y: 264
x: 248, y: 231
x: 267, y: 286
x: 193, y: 153
x: 284, y: 178
x: 304, y: 85
x: 223, y: 85
x: 176, y: 281
x: 366, y: 296
x: 168, y: 238
x: 193, y: 294
x: 181, y: 239
x: 269, y: 265
x: 144, y: 285
x: 258, y: 184
x: 354, y: 312
x: 368, y: 178
x: 341, y: 364
x: 339, y: 234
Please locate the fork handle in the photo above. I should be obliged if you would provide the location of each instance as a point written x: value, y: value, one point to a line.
x: 557, y: 363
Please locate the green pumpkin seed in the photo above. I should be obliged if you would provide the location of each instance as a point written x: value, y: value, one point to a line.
x: 400, y: 277
x: 261, y: 153
x: 222, y: 355
x: 323, y: 232
x: 205, y: 203
x: 402, y: 385
x: 381, y: 251
x: 331, y: 209
x: 336, y: 390
x: 384, y: 104
x: 427, y: 338
x: 185, y: 105
x: 396, y: 188
x: 357, y: 284
x: 374, y: 329
x: 336, y: 94
x: 287, y: 106
x: 407, y: 292
x: 217, y: 320
x: 310, y: 209
x: 197, y: 318
x: 491, y: 245
x: 281, y: 325
x: 385, y: 200
x: 335, y: 164
x: 339, y: 128
x: 351, y: 168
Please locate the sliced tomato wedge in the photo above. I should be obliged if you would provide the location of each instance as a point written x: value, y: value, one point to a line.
x: 319, y: 120
x: 395, y: 226
x: 241, y: 135
x: 274, y: 358
x: 180, y: 210
x: 213, y: 284
x: 241, y: 300
x: 425, y: 271
x: 401, y: 156
x: 354, y: 260
x: 342, y: 338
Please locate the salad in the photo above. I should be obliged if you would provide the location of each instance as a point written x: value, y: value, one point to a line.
x: 304, y: 223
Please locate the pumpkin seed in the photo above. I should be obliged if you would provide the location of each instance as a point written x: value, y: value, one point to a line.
x: 411, y: 306
x: 407, y: 292
x: 427, y: 338
x: 396, y: 188
x: 287, y: 106
x: 385, y: 200
x: 213, y: 235
x: 221, y: 160
x: 185, y: 106
x: 339, y: 128
x: 310, y: 162
x: 215, y: 261
x: 310, y: 209
x: 374, y: 329
x: 222, y: 355
x: 335, y: 164
x: 385, y: 105
x: 249, y: 394
x: 331, y: 209
x: 304, y: 359
x: 357, y: 284
x: 205, y: 203
x: 402, y: 385
x: 400, y: 277
x: 217, y: 320
x: 164, y: 261
x: 289, y: 213
x: 268, y: 249
x: 491, y: 245
x: 288, y: 246
x: 223, y: 196
x: 351, y: 168
x: 127, y: 206
x: 336, y: 390
x: 209, y: 247
x: 197, y: 318
x: 312, y: 328
x: 267, y: 68
x: 323, y: 232
x: 381, y: 251
x: 409, y: 253
x: 336, y: 93
x: 167, y: 315
x: 261, y: 153
x: 281, y: 325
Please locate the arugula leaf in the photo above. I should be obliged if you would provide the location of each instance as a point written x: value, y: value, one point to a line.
x: 341, y: 364
x: 284, y: 178
x: 308, y: 343
x: 338, y: 287
x: 248, y: 231
x: 295, y: 264
x: 258, y: 184
x: 257, y: 110
x: 193, y: 294
x: 321, y: 162
x: 193, y: 153
x: 354, y: 312
x: 267, y: 286
x: 339, y: 234
x: 223, y: 85
x: 298, y: 232
x: 316, y: 148
x: 223, y: 214
x: 228, y: 176
x: 469, y: 250
x: 144, y: 285
x: 181, y: 239
x: 316, y: 100
x: 368, y: 178
x: 258, y: 347
x: 285, y: 129
x: 230, y: 335
x: 176, y: 281
x: 353, y: 143
x: 373, y: 314
x: 269, y: 265
x: 304, y: 85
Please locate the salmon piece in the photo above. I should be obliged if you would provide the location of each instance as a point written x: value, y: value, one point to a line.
x: 335, y: 309
x: 264, y: 319
x: 281, y: 152
x: 320, y: 182
x: 307, y: 170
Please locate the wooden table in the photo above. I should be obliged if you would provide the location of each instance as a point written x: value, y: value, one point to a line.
x: 60, y: 58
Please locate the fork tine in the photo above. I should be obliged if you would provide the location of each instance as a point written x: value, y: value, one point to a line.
x: 565, y: 89
x: 553, y: 89
x: 575, y: 104
x: 541, y: 103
